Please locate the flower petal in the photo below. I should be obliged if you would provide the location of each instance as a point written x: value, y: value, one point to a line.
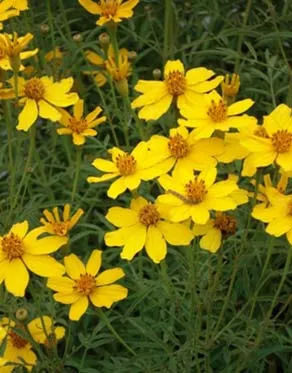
x: 94, y: 262
x: 175, y: 233
x: 155, y: 245
x: 28, y: 115
x: 122, y: 217
x: 61, y: 284
x: 16, y: 278
x: 43, y: 265
x: 74, y: 266
x: 105, y: 296
x: 109, y: 276
x: 134, y: 242
x: 78, y: 308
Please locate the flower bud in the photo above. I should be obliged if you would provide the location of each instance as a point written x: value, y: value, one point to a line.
x: 156, y: 74
x: 104, y: 39
x: 21, y: 314
x: 44, y: 28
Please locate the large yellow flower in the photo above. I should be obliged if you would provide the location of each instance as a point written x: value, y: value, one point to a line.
x: 145, y: 224
x: 21, y: 251
x: 78, y: 125
x: 43, y: 331
x: 83, y: 284
x: 183, y: 89
x: 42, y: 97
x: 128, y: 169
x: 212, y: 113
x: 195, y: 196
x: 109, y: 10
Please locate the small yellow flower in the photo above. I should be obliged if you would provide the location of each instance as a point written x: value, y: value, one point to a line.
x: 145, y: 224
x: 43, y: 331
x: 84, y: 284
x: 183, y: 89
x: 230, y: 87
x: 55, y: 225
x: 79, y: 126
x: 21, y: 251
x: 109, y: 10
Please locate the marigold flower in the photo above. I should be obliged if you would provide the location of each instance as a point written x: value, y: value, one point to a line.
x: 43, y: 331
x: 145, y: 224
x: 183, y: 89
x: 60, y: 226
x: 195, y: 196
x: 129, y: 169
x: 79, y: 126
x: 212, y: 113
x: 83, y: 284
x: 109, y: 10
x: 21, y: 251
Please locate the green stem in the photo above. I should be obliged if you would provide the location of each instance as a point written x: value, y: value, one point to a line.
x: 168, y: 30
x: 53, y: 39
x: 77, y: 171
x: 65, y: 20
x: 112, y: 30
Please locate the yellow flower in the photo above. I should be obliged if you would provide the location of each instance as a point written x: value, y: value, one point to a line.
x: 8, y: 10
x: 182, y: 150
x: 128, y: 169
x: 212, y: 113
x: 79, y: 126
x: 195, y: 196
x: 230, y: 87
x: 21, y: 251
x: 109, y: 10
x: 42, y: 97
x: 145, y: 224
x: 183, y: 89
x: 215, y: 230
x: 20, y: 4
x: 43, y: 331
x: 276, y: 144
x: 54, y: 55
x: 83, y: 284
x: 60, y: 226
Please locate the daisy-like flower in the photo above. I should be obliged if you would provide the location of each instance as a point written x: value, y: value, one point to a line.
x: 18, y: 350
x: 78, y: 125
x: 21, y: 251
x: 42, y: 97
x: 183, y: 89
x: 84, y: 284
x: 276, y: 145
x: 9, y: 9
x: 195, y: 196
x: 109, y: 10
x: 128, y: 169
x: 43, y: 331
x: 145, y: 224
x: 212, y: 113
x: 54, y: 224
x: 185, y: 151
x: 215, y: 230
x: 119, y: 71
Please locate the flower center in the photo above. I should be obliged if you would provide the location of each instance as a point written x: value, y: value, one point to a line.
x: 178, y: 146
x: 195, y: 191
x: 16, y: 340
x: 60, y: 228
x: 148, y: 215
x: 85, y: 284
x: 77, y: 126
x: 108, y: 7
x: 261, y: 132
x: 281, y: 141
x: 126, y: 164
x: 12, y: 246
x: 176, y: 83
x: 217, y: 112
x: 34, y: 89
x: 226, y: 224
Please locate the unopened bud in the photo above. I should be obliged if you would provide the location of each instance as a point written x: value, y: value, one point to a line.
x: 122, y: 87
x: 156, y: 74
x: 104, y: 39
x: 132, y: 55
x: 21, y: 314
x: 148, y: 8
x: 44, y: 28
x: 77, y: 38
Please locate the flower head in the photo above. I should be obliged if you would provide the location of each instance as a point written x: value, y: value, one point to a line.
x: 83, y: 284
x: 183, y: 89
x: 145, y: 224
x: 11, y: 8
x: 43, y: 331
x: 230, y: 87
x: 21, y: 251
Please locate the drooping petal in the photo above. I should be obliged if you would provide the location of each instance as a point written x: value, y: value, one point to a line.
x: 134, y: 242
x: 78, y: 308
x: 175, y: 233
x: 211, y: 241
x: 16, y: 278
x: 155, y: 245
x: 117, y: 187
x: 28, y: 115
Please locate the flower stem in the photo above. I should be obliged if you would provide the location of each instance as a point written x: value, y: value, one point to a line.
x: 168, y: 30
x: 77, y: 171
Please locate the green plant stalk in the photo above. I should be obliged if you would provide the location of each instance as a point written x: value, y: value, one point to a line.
x: 168, y: 42
x: 77, y: 171
x: 65, y: 20
x: 53, y: 39
x: 112, y: 30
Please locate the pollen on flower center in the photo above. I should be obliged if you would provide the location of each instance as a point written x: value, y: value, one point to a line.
x: 261, y: 132
x: 126, y: 164
x: 226, y: 223
x: 217, y: 112
x: 12, y: 246
x: 281, y: 141
x: 195, y: 191
x: 77, y: 125
x: 16, y: 340
x: 85, y: 284
x: 108, y: 7
x: 178, y: 146
x: 176, y: 83
x: 34, y: 89
x: 148, y: 215
x: 60, y: 228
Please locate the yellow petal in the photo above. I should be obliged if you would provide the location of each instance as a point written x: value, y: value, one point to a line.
x: 47, y: 111
x: 155, y: 245
x: 211, y: 241
x: 173, y: 65
x: 109, y: 276
x: 105, y: 296
x: 94, y: 262
x: 61, y: 284
x: 134, y: 242
x: 175, y: 233
x: 117, y: 187
x: 74, y: 266
x: 67, y: 298
x: 28, y: 115
x: 40, y: 328
x: 20, y: 229
x: 46, y: 245
x: 240, y: 106
x: 78, y: 109
x: 78, y: 308
x: 279, y: 226
x: 122, y: 217
x: 16, y: 278
x: 90, y: 6
x: 43, y: 265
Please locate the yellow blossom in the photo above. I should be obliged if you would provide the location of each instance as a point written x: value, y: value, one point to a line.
x: 230, y: 87
x: 20, y: 4
x: 8, y: 9
x: 43, y: 331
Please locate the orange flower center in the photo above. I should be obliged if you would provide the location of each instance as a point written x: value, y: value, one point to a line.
x: 195, y: 191
x: 108, y: 7
x: 85, y: 284
x: 16, y: 340
x: 148, y: 215
x: 176, y: 83
x: 261, y: 132
x: 12, y: 246
x: 178, y: 146
x: 60, y: 228
x: 281, y: 141
x: 126, y: 164
x: 77, y: 125
x: 226, y: 224
x: 34, y: 89
x: 217, y: 112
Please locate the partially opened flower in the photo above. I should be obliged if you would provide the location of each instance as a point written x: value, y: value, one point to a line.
x: 109, y: 10
x: 184, y: 90
x: 78, y: 125
x: 145, y: 224
x: 83, y: 283
x: 22, y: 251
x: 43, y: 331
